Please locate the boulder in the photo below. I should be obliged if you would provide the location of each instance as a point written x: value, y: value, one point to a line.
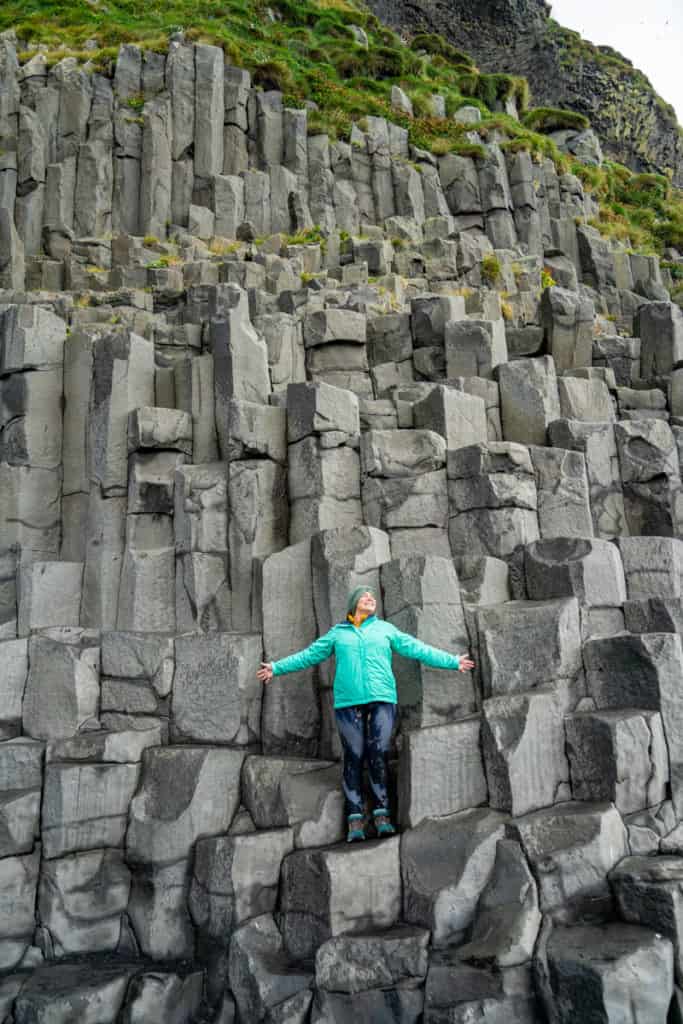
x: 235, y: 878
x: 571, y: 848
x: 440, y: 771
x: 304, y: 795
x: 527, y: 644
x: 357, y: 963
x: 508, y: 917
x: 523, y: 746
x: 619, y: 756
x: 216, y: 695
x: 338, y: 890
x: 608, y: 971
x: 529, y: 399
x: 445, y: 864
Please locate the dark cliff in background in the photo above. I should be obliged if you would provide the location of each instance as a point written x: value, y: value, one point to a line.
x: 635, y: 125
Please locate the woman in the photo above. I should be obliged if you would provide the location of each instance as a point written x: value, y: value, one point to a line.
x: 364, y: 696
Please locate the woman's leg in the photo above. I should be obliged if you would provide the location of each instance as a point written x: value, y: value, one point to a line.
x: 381, y: 719
x: 351, y: 725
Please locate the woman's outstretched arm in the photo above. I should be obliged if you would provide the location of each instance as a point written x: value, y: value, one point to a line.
x: 410, y: 647
x: 316, y: 652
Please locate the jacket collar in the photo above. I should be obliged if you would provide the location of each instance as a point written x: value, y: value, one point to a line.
x: 370, y: 618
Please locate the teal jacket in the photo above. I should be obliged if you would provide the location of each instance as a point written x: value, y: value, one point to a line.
x: 363, y: 656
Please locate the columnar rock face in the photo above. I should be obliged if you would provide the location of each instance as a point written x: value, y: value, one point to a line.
x: 213, y: 426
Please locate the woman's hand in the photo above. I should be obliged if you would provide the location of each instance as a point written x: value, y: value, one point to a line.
x: 265, y: 673
x: 466, y: 664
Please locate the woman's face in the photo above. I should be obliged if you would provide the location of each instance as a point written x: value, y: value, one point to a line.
x: 367, y: 605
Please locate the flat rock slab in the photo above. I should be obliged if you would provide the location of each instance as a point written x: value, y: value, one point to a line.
x: 330, y: 892
x: 613, y: 973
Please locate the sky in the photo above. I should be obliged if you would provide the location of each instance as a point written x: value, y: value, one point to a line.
x: 649, y: 34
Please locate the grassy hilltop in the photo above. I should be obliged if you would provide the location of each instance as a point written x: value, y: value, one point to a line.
x: 309, y: 50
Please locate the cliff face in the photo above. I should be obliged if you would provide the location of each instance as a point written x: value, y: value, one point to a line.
x: 635, y: 125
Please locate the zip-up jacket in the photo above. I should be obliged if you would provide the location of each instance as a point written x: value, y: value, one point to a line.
x: 363, y: 660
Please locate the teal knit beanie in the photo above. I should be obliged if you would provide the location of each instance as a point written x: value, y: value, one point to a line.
x: 355, y: 596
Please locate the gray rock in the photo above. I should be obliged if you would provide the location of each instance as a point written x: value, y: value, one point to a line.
x: 216, y: 696
x: 14, y: 656
x: 590, y: 570
x: 422, y: 597
x: 163, y: 997
x: 94, y: 184
x: 457, y: 993
x: 290, y: 716
x: 291, y: 792
x: 156, y: 169
x: 240, y: 355
x: 571, y: 848
x: 459, y: 418
x: 628, y: 671
x: 85, y: 806
x: 334, y: 325
x: 124, y: 746
x: 336, y: 891
x: 123, y: 380
x: 81, y: 899
x: 529, y: 399
x: 64, y: 663
x: 522, y: 738
x: 390, y: 1006
x: 429, y: 315
x: 445, y: 863
x: 508, y: 917
x: 568, y: 323
x: 441, y: 771
x: 261, y: 977
x: 33, y: 338
x: 619, y: 756
x: 201, y: 539
x: 159, y: 918
x: 20, y: 791
x: 385, y: 453
x: 12, y: 265
x: 615, y: 971
x: 49, y: 594
x: 587, y: 400
x: 324, y: 487
x: 18, y: 885
x: 318, y: 408
x: 653, y: 567
x: 650, y: 473
x: 150, y: 427
x: 258, y: 526
x: 356, y: 964
x: 391, y: 503
x: 660, y: 328
x: 235, y: 879
x: 185, y: 793
x: 51, y: 991
x: 598, y: 444
x: 147, y: 587
x: 563, y: 493
x: 474, y: 347
x: 209, y: 104
x: 647, y: 892
x: 551, y: 631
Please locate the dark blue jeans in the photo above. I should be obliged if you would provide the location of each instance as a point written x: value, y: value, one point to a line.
x: 365, y: 732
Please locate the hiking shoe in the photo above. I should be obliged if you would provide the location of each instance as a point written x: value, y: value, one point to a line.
x: 382, y: 822
x: 356, y: 832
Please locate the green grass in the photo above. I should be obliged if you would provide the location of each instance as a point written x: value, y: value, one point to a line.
x: 309, y: 52
x: 550, y: 119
